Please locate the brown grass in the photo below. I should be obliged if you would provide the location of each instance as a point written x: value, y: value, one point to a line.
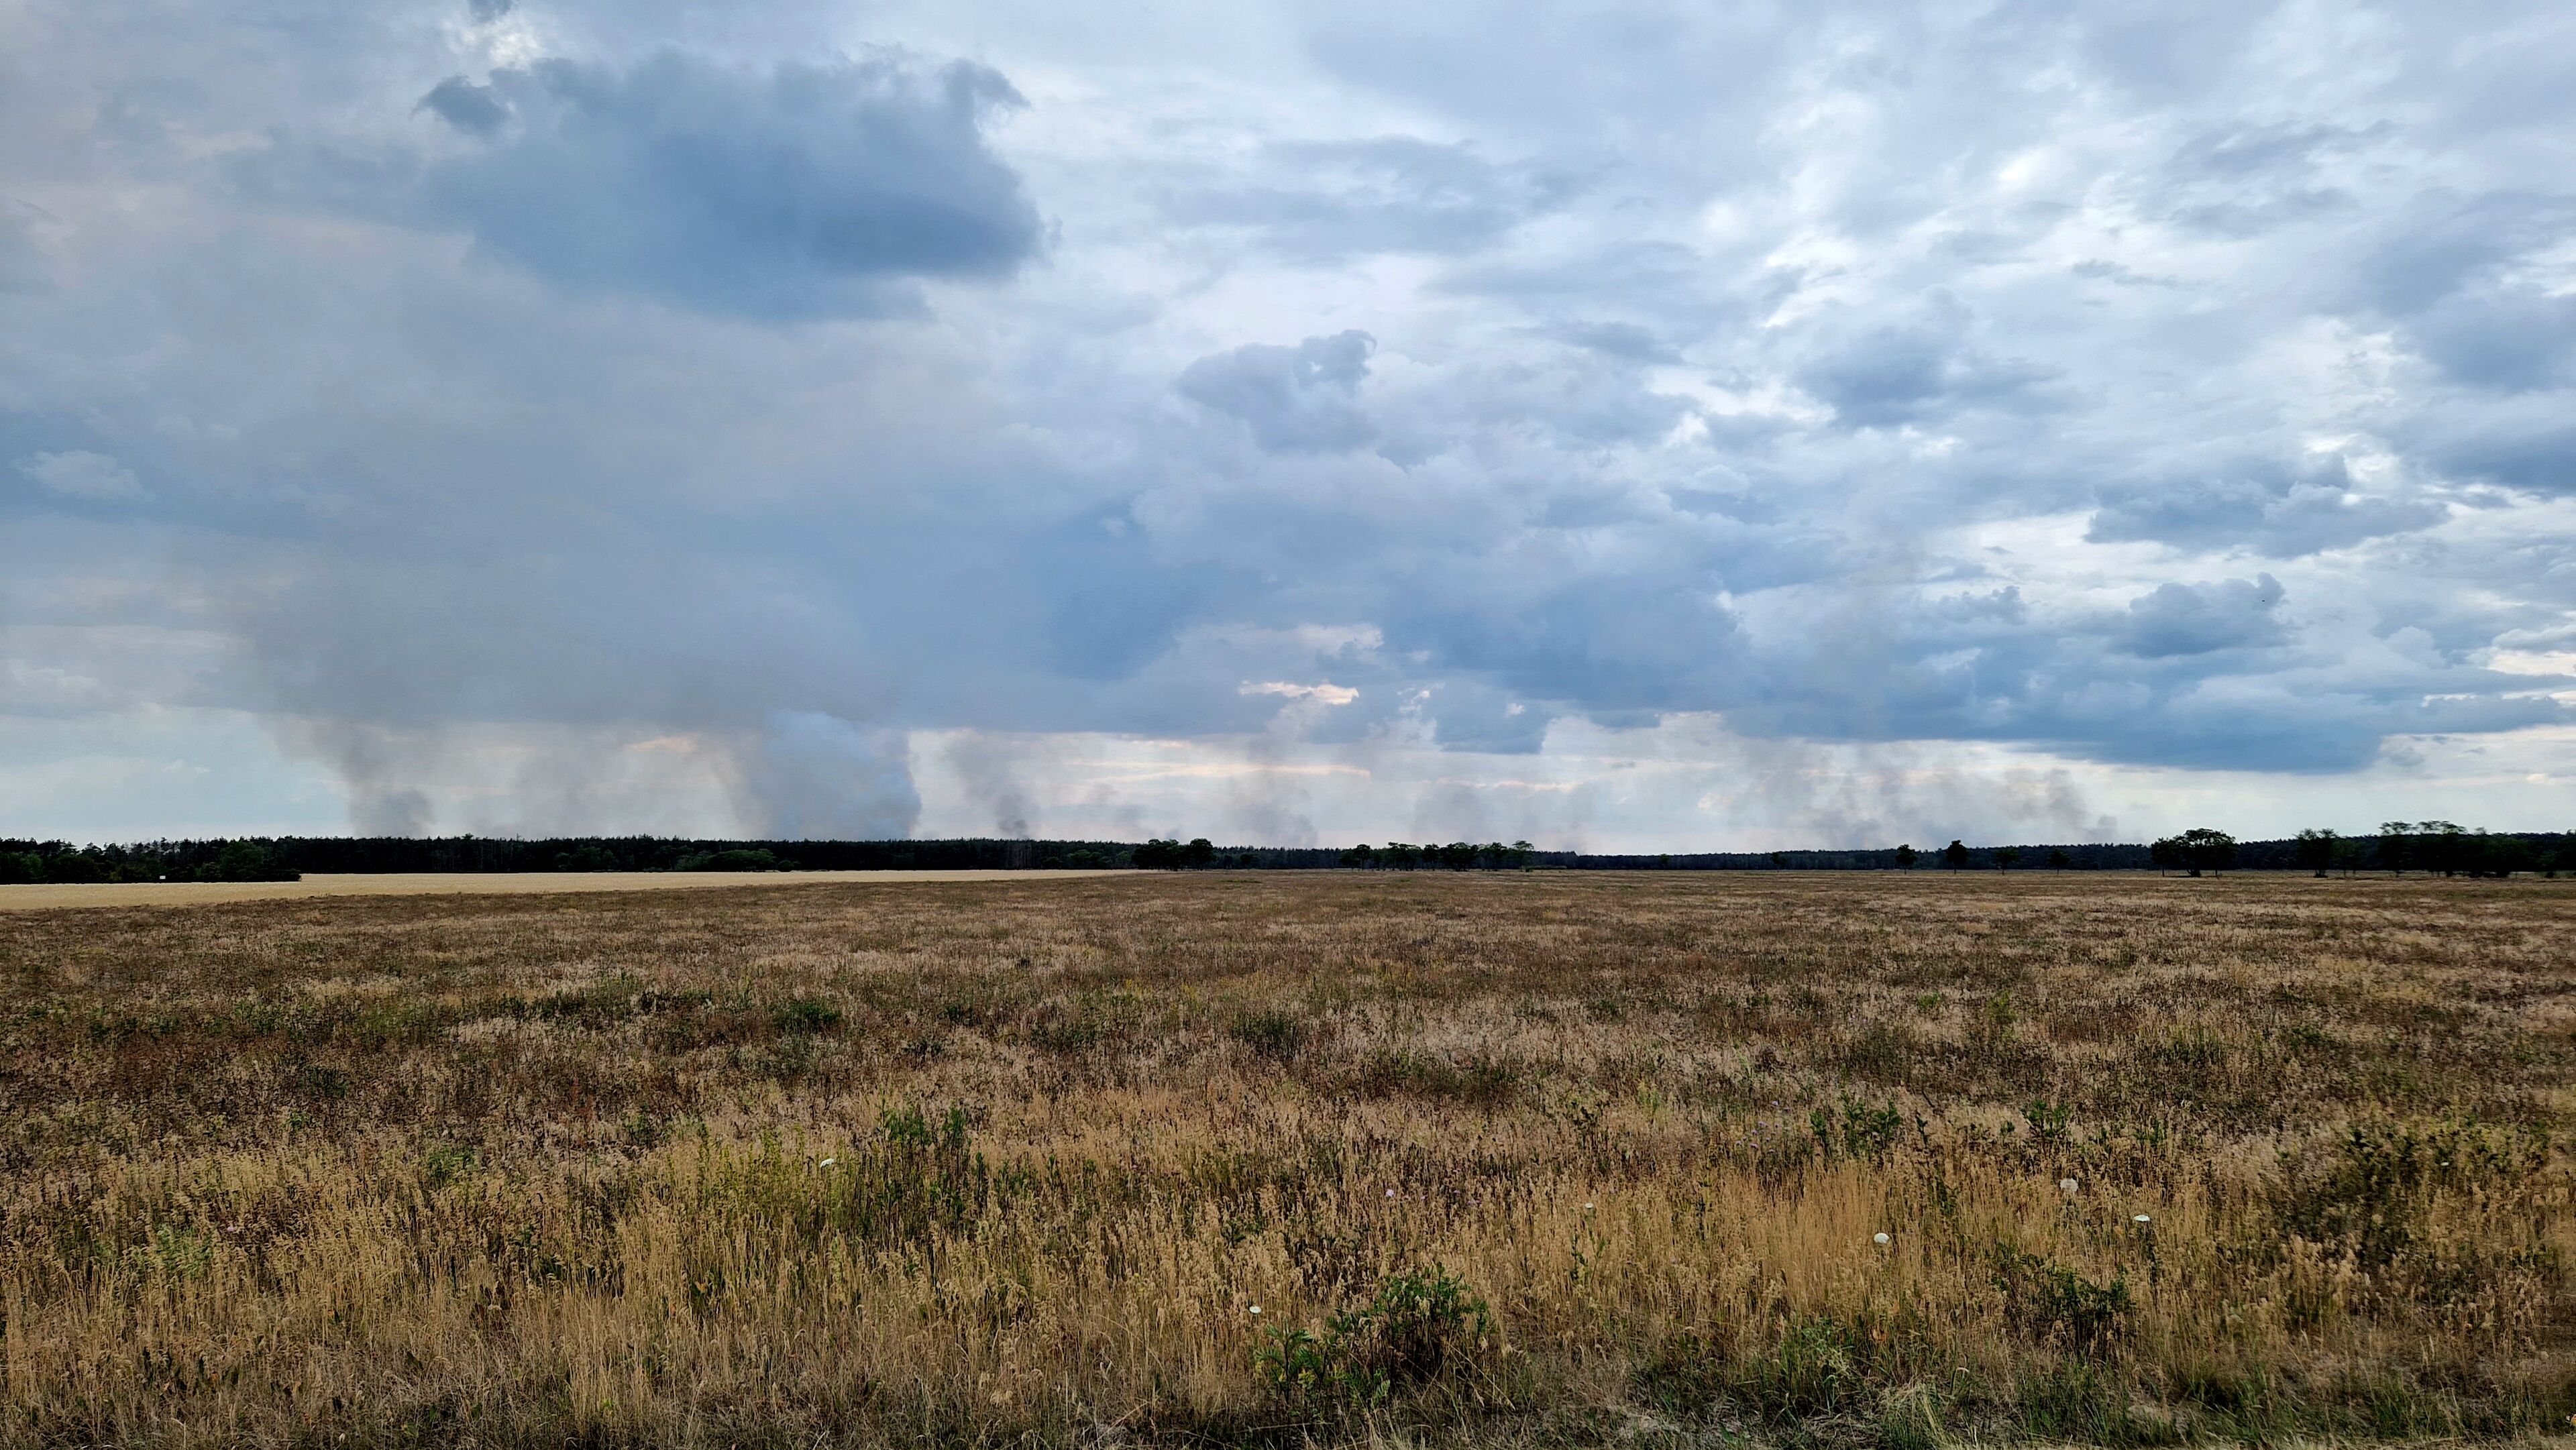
x: 1536, y: 1158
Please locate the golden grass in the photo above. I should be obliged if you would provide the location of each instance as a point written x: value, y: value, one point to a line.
x: 56, y: 895
x: 1530, y: 1158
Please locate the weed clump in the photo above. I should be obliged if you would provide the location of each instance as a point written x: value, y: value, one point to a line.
x: 1274, y: 1035
x: 1418, y: 1326
x: 2055, y: 1305
x: 805, y: 1014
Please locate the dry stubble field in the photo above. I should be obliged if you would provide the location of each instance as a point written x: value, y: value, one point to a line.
x: 1501, y: 1159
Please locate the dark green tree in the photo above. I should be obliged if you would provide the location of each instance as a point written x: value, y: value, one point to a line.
x: 2503, y: 855
x: 2317, y: 850
x: 2396, y: 845
x: 737, y: 859
x: 248, y: 861
x: 2201, y: 850
x: 1954, y: 855
x: 2443, y: 846
x: 2007, y: 857
x: 1906, y: 856
x: 2058, y: 860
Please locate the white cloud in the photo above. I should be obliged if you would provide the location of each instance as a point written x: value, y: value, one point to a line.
x: 79, y: 474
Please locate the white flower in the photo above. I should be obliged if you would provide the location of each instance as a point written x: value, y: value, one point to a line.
x: 1880, y: 1240
x: 1587, y: 1208
x: 828, y: 1162
x: 1256, y: 1308
x: 2141, y: 1218
x: 1390, y: 1193
x: 2067, y: 1184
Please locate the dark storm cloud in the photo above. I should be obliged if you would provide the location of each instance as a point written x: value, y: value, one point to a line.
x: 797, y: 192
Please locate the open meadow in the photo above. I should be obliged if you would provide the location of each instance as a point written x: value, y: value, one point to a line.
x: 1284, y: 1157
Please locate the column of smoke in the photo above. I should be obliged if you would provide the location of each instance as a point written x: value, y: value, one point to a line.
x: 803, y: 775
x: 813, y: 776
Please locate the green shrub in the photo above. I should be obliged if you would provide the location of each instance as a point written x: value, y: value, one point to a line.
x: 1416, y: 1327
x: 1859, y: 1131
x: 1819, y: 1367
x: 2053, y: 1303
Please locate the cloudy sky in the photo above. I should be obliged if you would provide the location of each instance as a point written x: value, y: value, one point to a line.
x: 1618, y: 424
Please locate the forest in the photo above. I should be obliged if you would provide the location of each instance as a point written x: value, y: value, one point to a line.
x: 2438, y: 847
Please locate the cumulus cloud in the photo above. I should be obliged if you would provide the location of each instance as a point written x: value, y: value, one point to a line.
x: 1301, y: 399
x: 2279, y: 512
x: 1319, y: 389
x: 2189, y: 619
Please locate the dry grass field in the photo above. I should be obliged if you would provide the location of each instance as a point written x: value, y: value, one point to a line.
x: 1287, y: 1158
x: 480, y: 883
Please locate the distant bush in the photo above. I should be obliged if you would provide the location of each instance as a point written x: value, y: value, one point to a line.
x: 1160, y: 855
x: 804, y: 1014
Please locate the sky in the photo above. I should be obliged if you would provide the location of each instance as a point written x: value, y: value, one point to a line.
x: 1618, y: 425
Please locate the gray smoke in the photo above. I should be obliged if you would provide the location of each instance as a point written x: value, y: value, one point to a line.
x: 381, y: 769
x: 812, y: 776
x: 988, y: 773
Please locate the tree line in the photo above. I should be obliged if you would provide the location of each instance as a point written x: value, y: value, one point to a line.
x: 1456, y: 856
x: 2436, y: 847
